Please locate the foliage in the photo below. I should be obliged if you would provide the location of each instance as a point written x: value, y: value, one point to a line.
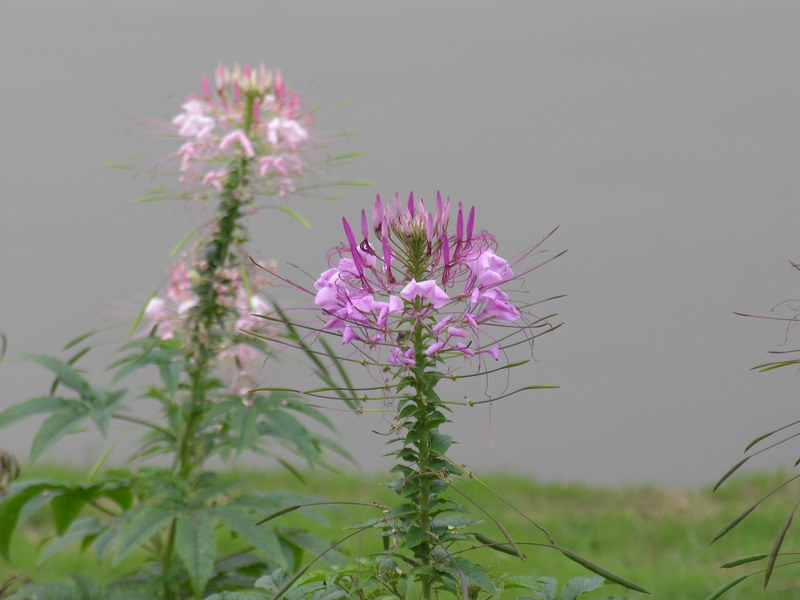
x: 247, y: 139
x: 777, y: 557
x: 417, y: 306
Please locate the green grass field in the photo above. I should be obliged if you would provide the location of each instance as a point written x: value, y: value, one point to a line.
x: 654, y: 536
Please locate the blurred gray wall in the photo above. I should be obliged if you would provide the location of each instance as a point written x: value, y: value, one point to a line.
x: 662, y: 136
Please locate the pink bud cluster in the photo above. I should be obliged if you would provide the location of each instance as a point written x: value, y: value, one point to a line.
x: 166, y: 316
x: 248, y: 113
x: 408, y: 267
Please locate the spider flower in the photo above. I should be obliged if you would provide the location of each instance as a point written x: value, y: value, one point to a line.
x: 249, y: 113
x: 166, y: 315
x: 410, y: 267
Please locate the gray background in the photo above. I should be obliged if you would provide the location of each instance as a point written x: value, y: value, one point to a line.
x: 661, y: 136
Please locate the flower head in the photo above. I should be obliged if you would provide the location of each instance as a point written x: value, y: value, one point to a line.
x: 408, y: 268
x: 249, y: 113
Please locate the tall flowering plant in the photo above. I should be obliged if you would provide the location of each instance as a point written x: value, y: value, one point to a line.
x: 419, y: 298
x: 246, y: 138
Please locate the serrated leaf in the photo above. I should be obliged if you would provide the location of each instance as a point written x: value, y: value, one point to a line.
x: 475, y: 573
x: 578, y: 585
x: 57, y: 426
x: 522, y: 581
x: 104, y: 541
x: 142, y: 525
x: 31, y: 407
x: 67, y: 375
x: 243, y: 522
x: 80, y: 529
x: 587, y: 564
x: 50, y: 590
x: 246, y: 427
x: 196, y: 547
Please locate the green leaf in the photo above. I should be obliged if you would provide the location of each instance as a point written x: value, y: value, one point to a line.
x: 80, y: 529
x: 79, y: 339
x: 196, y: 547
x: 522, y: 581
x: 57, y: 426
x: 293, y: 213
x: 140, y: 314
x: 440, y: 443
x: 104, y: 541
x: 36, y: 492
x: 141, y: 526
x: 587, y: 564
x: 183, y: 240
x: 31, y: 407
x: 475, y: 574
x: 244, y: 523
x: 414, y: 537
x: 66, y: 375
x: 66, y: 508
x: 246, y: 427
x: 46, y: 590
x: 578, y: 585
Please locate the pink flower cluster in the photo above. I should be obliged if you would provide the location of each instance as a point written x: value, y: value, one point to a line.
x: 165, y: 316
x: 416, y: 270
x: 249, y: 113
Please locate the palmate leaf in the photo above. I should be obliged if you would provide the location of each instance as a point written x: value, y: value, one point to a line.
x: 66, y: 375
x: 196, y: 547
x: 80, y: 530
x: 243, y: 523
x: 34, y: 406
x: 141, y: 525
x: 56, y: 427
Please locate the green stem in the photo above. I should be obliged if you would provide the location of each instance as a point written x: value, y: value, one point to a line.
x: 166, y: 559
x: 423, y: 444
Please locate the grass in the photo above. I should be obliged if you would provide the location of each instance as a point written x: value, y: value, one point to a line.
x: 657, y: 537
